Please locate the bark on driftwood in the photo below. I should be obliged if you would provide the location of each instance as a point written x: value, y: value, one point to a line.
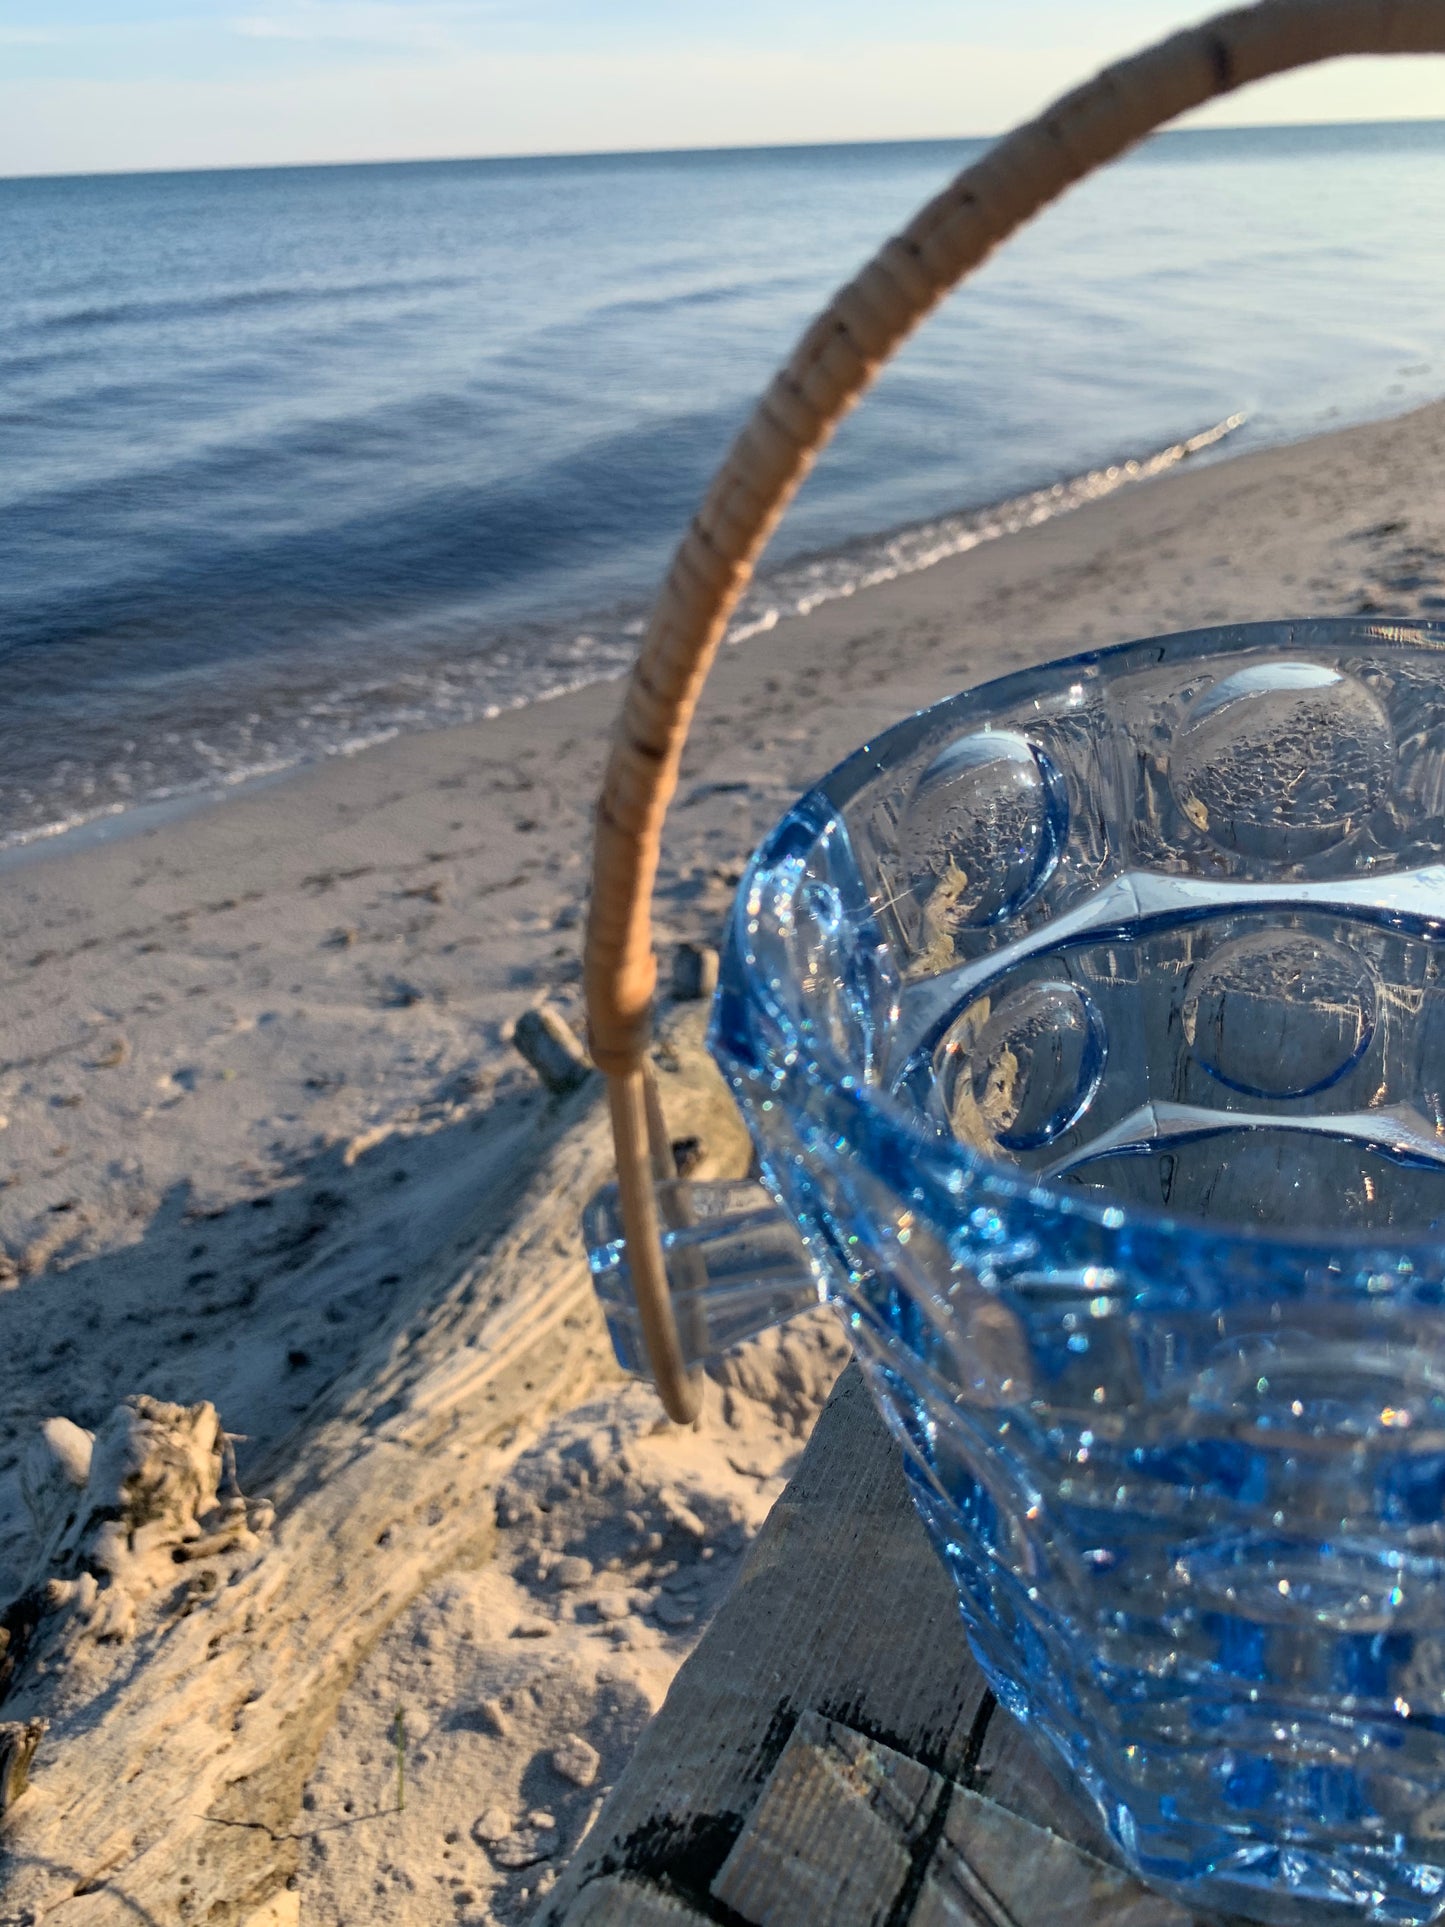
x: 188, y: 1650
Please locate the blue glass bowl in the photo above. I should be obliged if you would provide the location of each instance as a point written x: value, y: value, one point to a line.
x: 1091, y: 1030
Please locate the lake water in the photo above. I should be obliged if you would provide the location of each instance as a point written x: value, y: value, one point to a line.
x: 293, y: 459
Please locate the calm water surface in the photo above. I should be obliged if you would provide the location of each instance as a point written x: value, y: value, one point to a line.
x: 293, y: 459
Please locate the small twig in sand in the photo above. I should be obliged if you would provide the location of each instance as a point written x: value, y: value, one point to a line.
x: 398, y: 1727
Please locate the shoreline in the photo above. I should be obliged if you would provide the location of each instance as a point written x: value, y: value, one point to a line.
x: 792, y: 589
x: 256, y: 1070
x: 496, y: 813
x: 795, y: 586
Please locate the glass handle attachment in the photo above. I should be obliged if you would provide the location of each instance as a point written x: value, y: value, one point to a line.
x: 735, y: 1265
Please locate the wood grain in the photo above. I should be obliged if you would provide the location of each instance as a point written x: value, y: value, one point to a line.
x: 167, y: 1788
x: 831, y: 1751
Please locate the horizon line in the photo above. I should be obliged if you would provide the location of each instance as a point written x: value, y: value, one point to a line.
x: 656, y: 153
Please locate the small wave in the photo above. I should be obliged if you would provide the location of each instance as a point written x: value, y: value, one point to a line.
x: 715, y: 294
x: 798, y: 588
x: 233, y: 301
x: 402, y: 687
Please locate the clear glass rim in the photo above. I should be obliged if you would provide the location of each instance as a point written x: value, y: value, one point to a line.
x: 826, y: 799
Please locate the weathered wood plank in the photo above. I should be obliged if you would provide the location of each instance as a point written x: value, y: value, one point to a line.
x: 620, y: 1901
x: 991, y: 1865
x: 851, y: 1832
x: 835, y: 1833
x: 831, y: 1751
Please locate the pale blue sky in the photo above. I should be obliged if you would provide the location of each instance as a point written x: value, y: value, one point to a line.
x: 91, y: 85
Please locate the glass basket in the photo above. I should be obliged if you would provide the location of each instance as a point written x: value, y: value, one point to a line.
x: 1090, y: 1027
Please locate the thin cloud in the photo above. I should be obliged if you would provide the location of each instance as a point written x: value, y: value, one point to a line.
x: 369, y: 23
x: 38, y: 36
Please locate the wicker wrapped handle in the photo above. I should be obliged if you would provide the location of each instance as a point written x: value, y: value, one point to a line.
x: 830, y: 368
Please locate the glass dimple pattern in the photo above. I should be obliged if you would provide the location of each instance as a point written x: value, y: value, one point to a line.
x: 1281, y: 759
x: 981, y: 833
x: 1280, y: 1014
x: 1091, y: 1027
x: 1016, y: 1072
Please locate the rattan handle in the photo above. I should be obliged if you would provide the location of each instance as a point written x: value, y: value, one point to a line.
x: 830, y: 368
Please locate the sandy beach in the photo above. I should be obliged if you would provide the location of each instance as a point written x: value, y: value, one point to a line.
x: 257, y: 1088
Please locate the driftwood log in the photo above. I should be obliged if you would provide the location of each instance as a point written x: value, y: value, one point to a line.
x: 178, y: 1653
x: 831, y: 1752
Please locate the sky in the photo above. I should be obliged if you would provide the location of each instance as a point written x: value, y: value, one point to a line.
x: 91, y: 86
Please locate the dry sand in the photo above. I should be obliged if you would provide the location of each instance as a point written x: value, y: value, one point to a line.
x: 254, y: 1066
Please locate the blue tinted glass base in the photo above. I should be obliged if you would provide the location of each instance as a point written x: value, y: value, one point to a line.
x: 1122, y: 1732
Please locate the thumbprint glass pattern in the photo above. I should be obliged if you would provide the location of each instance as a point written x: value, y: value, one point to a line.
x: 1091, y: 1030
